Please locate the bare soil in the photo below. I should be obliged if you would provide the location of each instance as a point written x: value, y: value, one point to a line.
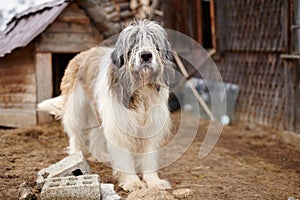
x: 248, y: 162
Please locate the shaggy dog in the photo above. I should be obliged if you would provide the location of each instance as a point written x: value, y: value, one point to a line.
x: 125, y: 89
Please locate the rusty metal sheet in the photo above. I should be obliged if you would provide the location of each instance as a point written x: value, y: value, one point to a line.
x: 24, y: 27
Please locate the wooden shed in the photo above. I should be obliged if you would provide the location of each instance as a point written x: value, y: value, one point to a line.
x: 34, y: 50
x: 258, y: 48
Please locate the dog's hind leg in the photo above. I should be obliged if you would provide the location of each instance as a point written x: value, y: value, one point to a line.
x: 69, y: 124
x: 74, y: 119
x: 97, y: 145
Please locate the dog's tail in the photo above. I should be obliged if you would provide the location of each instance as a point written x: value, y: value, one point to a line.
x: 53, y: 106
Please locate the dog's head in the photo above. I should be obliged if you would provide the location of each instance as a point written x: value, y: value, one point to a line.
x: 142, y: 56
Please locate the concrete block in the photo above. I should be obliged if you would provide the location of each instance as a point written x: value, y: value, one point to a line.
x: 108, y: 192
x: 75, y: 164
x: 84, y: 187
x: 26, y: 192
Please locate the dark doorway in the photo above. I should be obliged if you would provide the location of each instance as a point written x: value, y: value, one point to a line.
x: 191, y: 17
x: 59, y: 64
x: 206, y: 25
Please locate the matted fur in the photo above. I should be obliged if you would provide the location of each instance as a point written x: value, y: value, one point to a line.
x: 128, y: 96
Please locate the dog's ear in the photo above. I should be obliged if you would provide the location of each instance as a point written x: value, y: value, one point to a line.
x: 168, y: 73
x: 168, y: 51
x: 169, y: 69
x: 117, y: 57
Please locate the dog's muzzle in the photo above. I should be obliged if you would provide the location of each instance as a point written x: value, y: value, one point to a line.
x: 146, y: 61
x: 146, y: 57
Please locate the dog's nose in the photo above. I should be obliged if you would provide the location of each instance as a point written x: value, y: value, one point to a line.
x: 146, y: 56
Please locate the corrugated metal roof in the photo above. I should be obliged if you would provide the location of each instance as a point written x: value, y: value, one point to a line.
x: 24, y: 27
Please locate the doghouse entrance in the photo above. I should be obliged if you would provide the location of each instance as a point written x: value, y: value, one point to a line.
x: 59, y: 64
x: 206, y: 24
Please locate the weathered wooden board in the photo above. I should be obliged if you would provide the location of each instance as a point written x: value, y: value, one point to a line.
x: 68, y: 38
x: 73, y: 14
x: 44, y: 82
x: 72, y: 32
x: 298, y: 105
x: 17, y: 98
x: 261, y: 79
x: 57, y: 47
x: 12, y: 105
x: 252, y: 25
x: 17, y: 117
x: 21, y: 78
x: 290, y: 94
x: 18, y: 88
x: 62, y: 27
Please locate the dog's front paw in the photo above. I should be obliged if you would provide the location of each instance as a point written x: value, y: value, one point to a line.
x: 132, y: 183
x: 160, y: 184
x: 153, y: 181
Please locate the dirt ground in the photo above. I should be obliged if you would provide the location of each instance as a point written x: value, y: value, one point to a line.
x: 248, y: 162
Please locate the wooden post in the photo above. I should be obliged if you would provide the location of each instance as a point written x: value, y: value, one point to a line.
x: 298, y: 103
x: 199, y: 21
x: 213, y: 24
x: 43, y: 63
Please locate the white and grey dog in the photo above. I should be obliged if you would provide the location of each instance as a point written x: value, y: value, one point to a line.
x: 126, y: 90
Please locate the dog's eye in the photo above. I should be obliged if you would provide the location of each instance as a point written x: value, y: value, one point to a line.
x: 128, y: 54
x: 157, y: 49
x: 121, y: 60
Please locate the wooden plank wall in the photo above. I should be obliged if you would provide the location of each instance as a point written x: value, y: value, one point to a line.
x: 292, y: 94
x: 18, y: 88
x: 261, y: 79
x: 252, y: 37
x: 71, y: 32
x: 184, y: 16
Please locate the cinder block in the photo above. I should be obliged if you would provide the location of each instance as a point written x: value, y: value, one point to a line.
x: 108, y: 192
x: 85, y: 187
x: 75, y: 164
